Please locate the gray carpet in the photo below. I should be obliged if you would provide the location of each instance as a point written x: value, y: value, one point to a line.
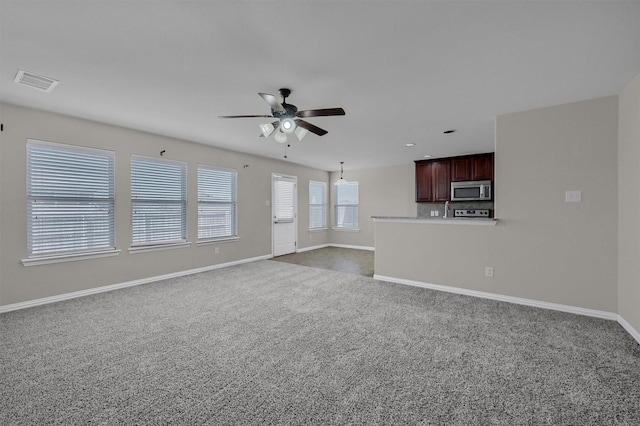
x: 274, y: 343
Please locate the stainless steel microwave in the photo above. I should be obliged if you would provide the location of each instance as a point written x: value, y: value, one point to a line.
x: 476, y: 190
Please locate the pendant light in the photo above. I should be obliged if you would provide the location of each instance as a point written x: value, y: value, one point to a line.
x: 341, y: 181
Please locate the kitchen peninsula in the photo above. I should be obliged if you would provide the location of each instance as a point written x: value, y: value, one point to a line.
x: 440, y: 221
x: 445, y: 254
x: 544, y: 250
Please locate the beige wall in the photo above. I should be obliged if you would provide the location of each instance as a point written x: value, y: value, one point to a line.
x: 385, y: 191
x: 19, y: 283
x: 543, y: 248
x: 629, y: 204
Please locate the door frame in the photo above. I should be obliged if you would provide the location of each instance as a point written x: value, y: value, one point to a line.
x: 273, y: 210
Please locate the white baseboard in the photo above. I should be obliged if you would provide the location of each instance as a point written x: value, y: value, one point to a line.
x: 353, y: 247
x: 87, y: 292
x: 312, y: 248
x: 494, y: 296
x: 632, y: 331
x: 335, y: 245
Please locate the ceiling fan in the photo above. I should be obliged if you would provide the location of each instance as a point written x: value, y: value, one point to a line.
x: 288, y: 118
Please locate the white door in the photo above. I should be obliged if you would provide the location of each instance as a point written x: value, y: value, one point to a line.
x: 284, y: 214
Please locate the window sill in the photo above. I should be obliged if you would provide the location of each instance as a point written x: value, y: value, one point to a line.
x: 205, y: 242
x: 346, y: 229
x: 318, y: 229
x: 158, y: 247
x: 69, y: 257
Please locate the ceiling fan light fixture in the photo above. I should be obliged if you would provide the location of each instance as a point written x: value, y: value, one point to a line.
x: 288, y: 125
x: 267, y: 129
x: 300, y: 133
x: 288, y: 119
x: 280, y: 137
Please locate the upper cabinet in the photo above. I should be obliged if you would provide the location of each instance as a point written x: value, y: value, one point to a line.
x: 473, y: 167
x: 424, y: 179
x: 433, y: 180
x: 441, y: 180
x: 482, y: 167
x: 434, y: 177
x: 460, y: 169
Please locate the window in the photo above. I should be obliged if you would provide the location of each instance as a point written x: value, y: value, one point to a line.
x: 285, y: 201
x: 347, y: 206
x: 217, y: 203
x: 70, y: 199
x: 317, y: 205
x: 158, y: 201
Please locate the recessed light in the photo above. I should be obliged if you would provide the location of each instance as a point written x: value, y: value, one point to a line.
x: 427, y: 156
x: 449, y: 131
x: 409, y: 145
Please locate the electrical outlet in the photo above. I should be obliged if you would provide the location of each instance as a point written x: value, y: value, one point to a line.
x: 488, y: 271
x: 216, y: 250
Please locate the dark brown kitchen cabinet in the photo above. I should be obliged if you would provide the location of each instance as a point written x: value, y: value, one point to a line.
x: 434, y: 177
x: 482, y: 167
x: 441, y: 180
x: 424, y: 188
x: 460, y: 169
x: 472, y: 167
x: 433, y: 181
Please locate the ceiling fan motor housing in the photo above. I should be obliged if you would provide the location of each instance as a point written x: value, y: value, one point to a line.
x: 284, y: 92
x: 289, y: 112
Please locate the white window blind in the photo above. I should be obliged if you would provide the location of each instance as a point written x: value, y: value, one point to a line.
x: 158, y: 201
x: 346, y: 207
x: 217, y: 202
x: 285, y: 189
x: 70, y: 199
x: 317, y: 205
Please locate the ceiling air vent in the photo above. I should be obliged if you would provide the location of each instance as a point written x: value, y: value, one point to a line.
x: 39, y: 82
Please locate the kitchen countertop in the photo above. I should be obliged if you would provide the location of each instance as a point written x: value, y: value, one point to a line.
x: 439, y: 221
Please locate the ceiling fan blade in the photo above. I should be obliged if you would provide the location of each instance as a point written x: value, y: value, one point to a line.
x: 320, y: 112
x: 245, y: 116
x: 310, y: 127
x: 273, y: 102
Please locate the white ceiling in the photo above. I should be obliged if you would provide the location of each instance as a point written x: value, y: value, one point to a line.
x: 404, y: 71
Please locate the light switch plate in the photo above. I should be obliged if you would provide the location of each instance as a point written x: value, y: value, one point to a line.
x: 573, y: 196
